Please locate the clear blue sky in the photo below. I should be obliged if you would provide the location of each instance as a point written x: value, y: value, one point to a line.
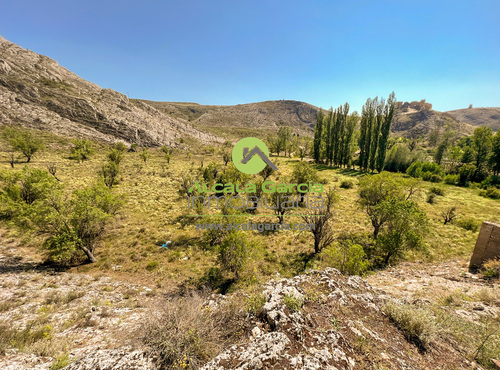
x: 231, y: 52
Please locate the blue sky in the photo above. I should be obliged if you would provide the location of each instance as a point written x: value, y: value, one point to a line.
x: 232, y: 52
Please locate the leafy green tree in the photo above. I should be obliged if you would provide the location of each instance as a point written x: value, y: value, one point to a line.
x: 377, y: 189
x: 35, y: 201
x: 495, y: 154
x: 398, y: 223
x: 24, y: 142
x: 482, y: 142
x: 404, y: 228
x: 468, y: 155
x: 304, y: 173
x: 284, y: 139
x: 81, y: 150
x: 389, y: 109
x: 318, y: 137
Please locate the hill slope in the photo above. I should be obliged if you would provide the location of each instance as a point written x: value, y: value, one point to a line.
x: 233, y: 119
x: 416, y: 123
x: 489, y: 117
x: 35, y: 91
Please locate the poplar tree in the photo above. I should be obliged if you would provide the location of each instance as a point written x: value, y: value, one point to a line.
x: 389, y: 109
x: 318, y: 137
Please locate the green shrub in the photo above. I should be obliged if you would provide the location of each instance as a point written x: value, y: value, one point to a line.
x: 425, y: 170
x: 293, y: 303
x: 435, y: 178
x: 451, y: 179
x: 109, y: 173
x: 152, y: 265
x: 491, y: 269
x: 255, y: 302
x: 81, y: 150
x: 437, y: 190
x: 233, y: 253
x: 431, y: 198
x: 468, y: 224
x: 347, y: 257
x: 347, y: 184
x: 491, y: 192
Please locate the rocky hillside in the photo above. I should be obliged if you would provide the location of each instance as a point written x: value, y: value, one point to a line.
x: 35, y: 91
x: 414, y: 123
x: 318, y: 320
x: 489, y: 117
x: 268, y: 115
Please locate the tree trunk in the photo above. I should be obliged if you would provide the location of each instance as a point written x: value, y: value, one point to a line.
x: 89, y: 253
x: 386, y: 260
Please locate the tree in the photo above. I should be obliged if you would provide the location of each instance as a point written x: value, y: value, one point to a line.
x: 404, y: 228
x: 321, y: 219
x: 281, y: 204
x: 145, y: 155
x: 81, y: 150
x: 24, y: 142
x: 318, y: 137
x: 495, y: 154
x: 38, y: 203
x: 389, y: 109
x: 226, y: 156
x: 482, y: 142
x: 377, y: 189
x: 284, y: 139
x: 398, y: 223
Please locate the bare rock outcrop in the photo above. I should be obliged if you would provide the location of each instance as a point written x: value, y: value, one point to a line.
x: 35, y: 91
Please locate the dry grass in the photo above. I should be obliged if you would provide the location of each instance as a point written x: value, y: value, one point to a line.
x: 185, y: 333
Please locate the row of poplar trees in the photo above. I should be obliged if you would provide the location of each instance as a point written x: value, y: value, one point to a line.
x: 336, y: 133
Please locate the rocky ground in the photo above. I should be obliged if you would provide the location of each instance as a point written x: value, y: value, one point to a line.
x: 318, y: 320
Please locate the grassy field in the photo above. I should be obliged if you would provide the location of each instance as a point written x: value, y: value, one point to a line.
x: 153, y: 212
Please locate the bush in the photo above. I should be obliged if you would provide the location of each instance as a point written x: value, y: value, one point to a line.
x: 233, y: 253
x: 431, y: 198
x: 491, y: 269
x: 81, y: 150
x: 425, y: 170
x: 435, y: 178
x: 347, y: 184
x: 109, y: 173
x: 416, y: 323
x: 437, y: 191
x: 451, y: 179
x: 468, y: 224
x: 293, y: 303
x: 492, y: 193
x: 347, y: 257
x: 186, y: 333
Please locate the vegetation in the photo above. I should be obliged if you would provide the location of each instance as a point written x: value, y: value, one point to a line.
x: 24, y: 142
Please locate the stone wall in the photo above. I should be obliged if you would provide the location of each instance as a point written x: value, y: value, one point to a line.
x: 487, y: 245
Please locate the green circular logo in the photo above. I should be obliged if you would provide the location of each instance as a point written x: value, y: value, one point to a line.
x: 250, y: 155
